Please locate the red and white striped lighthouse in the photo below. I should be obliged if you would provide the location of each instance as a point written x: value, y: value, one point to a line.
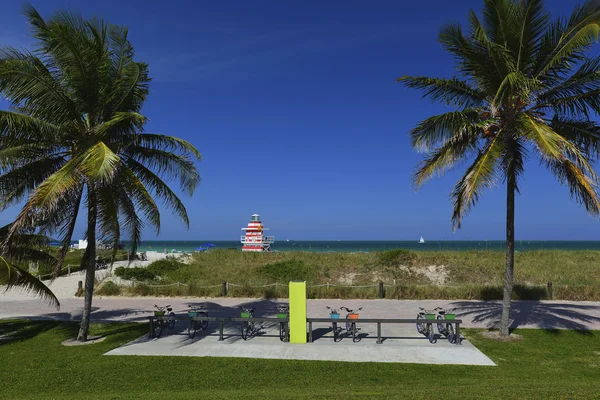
x: 254, y: 239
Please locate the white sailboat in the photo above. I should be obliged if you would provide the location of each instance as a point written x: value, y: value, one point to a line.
x: 421, y: 240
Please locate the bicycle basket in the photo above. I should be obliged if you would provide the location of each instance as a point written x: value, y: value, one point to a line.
x: 450, y: 316
x: 282, y: 315
x: 429, y: 316
x: 159, y: 313
x: 353, y: 316
x: 246, y: 314
x: 334, y: 316
x: 192, y: 314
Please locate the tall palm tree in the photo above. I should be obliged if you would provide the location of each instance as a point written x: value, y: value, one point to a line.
x: 74, y: 137
x: 14, y: 257
x: 524, y: 84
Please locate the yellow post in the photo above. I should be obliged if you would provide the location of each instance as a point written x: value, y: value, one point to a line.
x: 297, y: 312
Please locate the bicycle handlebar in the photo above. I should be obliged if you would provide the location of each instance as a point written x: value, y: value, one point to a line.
x: 349, y: 310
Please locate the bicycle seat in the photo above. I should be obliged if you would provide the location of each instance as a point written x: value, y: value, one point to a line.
x: 442, y: 312
x: 248, y: 309
x: 169, y: 309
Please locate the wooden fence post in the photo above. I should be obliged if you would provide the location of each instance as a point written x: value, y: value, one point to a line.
x: 381, y: 290
x: 224, y: 289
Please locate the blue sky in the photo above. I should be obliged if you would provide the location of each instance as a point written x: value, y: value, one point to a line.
x: 295, y: 110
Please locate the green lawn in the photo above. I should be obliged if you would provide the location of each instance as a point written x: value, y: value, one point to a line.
x: 545, y: 364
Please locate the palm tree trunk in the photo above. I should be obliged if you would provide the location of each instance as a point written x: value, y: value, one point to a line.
x: 90, y: 274
x: 510, y: 253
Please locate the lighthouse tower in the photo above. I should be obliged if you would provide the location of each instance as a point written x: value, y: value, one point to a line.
x: 254, y: 240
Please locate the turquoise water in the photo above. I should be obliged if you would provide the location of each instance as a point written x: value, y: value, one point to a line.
x: 368, y: 246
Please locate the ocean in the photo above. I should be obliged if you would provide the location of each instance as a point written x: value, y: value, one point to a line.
x: 319, y: 246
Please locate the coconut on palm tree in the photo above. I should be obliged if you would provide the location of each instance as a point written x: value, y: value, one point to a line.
x: 525, y: 85
x: 74, y: 136
x: 15, y: 258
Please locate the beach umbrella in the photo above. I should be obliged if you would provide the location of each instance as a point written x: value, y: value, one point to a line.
x: 201, y: 249
x: 209, y: 245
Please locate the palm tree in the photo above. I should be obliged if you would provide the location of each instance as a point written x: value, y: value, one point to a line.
x: 25, y: 248
x: 524, y: 85
x: 74, y: 137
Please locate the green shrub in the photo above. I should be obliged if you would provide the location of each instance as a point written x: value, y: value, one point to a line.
x: 396, y: 257
x: 109, y: 288
x: 135, y: 273
x: 290, y: 270
x: 163, y: 267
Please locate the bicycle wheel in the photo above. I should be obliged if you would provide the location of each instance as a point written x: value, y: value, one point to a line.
x: 355, y: 337
x: 282, y: 331
x: 451, y: 337
x: 336, y: 333
x: 171, y: 322
x: 420, y: 326
x: 245, y: 330
x: 430, y: 335
x: 442, y: 328
x: 203, y: 324
x: 158, y: 328
x: 192, y: 329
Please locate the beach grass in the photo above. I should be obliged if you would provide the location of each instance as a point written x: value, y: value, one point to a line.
x: 544, y: 364
x: 476, y: 275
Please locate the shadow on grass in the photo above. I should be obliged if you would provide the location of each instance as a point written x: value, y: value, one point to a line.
x: 18, y: 331
x: 548, y: 316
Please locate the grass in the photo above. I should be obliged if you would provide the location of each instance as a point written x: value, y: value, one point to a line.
x: 470, y: 274
x: 545, y: 364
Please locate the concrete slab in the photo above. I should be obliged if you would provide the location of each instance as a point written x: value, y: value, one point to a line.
x: 402, y: 344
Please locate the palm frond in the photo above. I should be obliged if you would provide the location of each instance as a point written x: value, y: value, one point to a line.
x: 584, y: 134
x: 171, y: 165
x: 577, y: 95
x: 583, y: 188
x: 19, y: 182
x: 449, y: 91
x: 555, y: 148
x: 99, y: 163
x: 25, y: 80
x: 46, y: 197
x: 435, y: 131
x: 12, y: 275
x: 534, y: 20
x: 445, y: 157
x: 563, y: 43
x: 139, y: 195
x: 161, y: 189
x: 481, y: 174
x: 18, y: 128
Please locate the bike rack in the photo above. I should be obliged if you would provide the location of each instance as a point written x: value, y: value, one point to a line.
x: 380, y: 321
x: 221, y: 322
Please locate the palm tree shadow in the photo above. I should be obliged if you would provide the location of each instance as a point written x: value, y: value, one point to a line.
x: 542, y: 315
x: 17, y: 331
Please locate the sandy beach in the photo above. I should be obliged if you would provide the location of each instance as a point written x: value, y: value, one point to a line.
x: 64, y: 287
